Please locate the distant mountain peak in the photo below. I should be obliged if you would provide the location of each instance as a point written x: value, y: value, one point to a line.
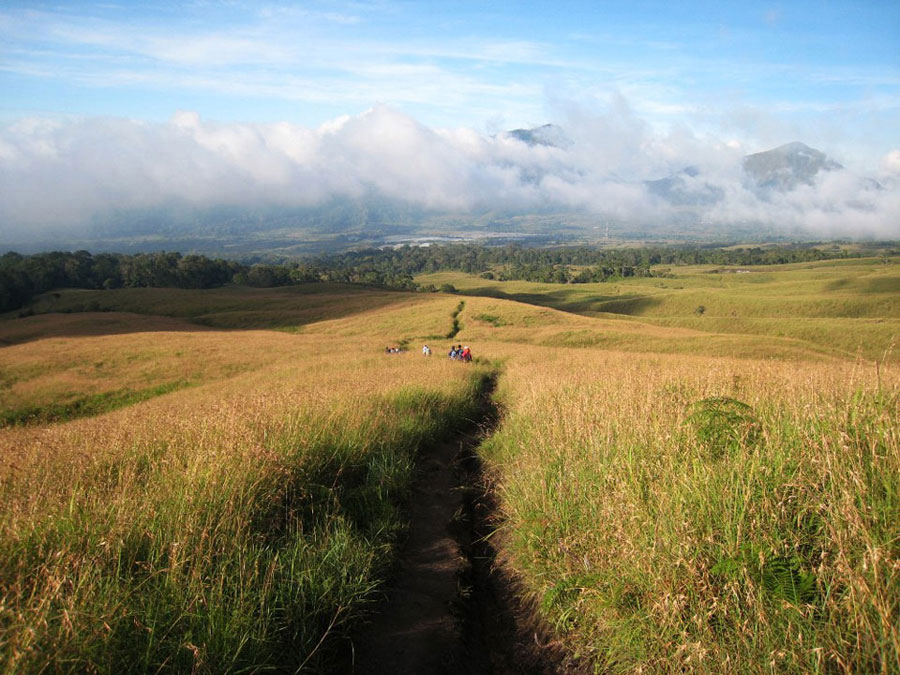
x: 780, y: 169
x: 794, y: 146
x: 787, y: 166
x: 547, y: 134
x: 678, y: 189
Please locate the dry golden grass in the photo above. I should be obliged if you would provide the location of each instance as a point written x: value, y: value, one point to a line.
x: 228, y: 526
x: 58, y: 369
x: 653, y: 545
x: 840, y: 307
x: 487, y: 319
x: 205, y: 425
x: 55, y: 359
x: 417, y: 317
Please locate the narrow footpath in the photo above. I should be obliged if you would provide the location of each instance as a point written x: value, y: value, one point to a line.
x: 447, y: 609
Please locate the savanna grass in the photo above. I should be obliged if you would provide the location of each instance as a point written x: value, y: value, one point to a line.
x: 235, y: 527
x: 847, y: 305
x: 709, y: 515
x: 730, y: 506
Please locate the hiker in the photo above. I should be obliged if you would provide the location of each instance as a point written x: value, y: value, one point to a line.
x: 466, y: 354
x: 426, y: 351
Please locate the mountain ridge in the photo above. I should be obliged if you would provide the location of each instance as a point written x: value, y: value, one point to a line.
x: 788, y: 166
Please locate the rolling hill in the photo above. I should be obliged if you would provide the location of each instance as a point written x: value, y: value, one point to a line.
x: 220, y: 480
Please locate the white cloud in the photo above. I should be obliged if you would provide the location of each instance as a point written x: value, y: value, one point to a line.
x: 62, y: 173
x: 891, y: 162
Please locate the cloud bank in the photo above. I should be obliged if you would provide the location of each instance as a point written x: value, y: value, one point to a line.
x: 59, y: 175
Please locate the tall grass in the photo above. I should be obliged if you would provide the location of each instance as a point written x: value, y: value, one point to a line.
x: 712, y: 515
x: 235, y: 527
x: 668, y: 513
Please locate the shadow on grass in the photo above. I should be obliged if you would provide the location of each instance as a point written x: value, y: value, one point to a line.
x: 85, y: 406
x: 81, y: 313
x: 575, y: 303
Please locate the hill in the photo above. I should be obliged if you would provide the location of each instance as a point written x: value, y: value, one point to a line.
x: 835, y: 307
x: 214, y: 480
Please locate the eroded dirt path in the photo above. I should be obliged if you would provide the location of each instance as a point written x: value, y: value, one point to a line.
x: 417, y: 629
x: 447, y: 608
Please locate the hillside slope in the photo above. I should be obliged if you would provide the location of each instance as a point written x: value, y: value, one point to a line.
x: 215, y: 479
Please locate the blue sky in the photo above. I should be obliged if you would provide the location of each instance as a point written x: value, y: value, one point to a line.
x: 760, y: 71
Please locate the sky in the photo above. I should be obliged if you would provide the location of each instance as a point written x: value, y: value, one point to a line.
x: 647, y: 87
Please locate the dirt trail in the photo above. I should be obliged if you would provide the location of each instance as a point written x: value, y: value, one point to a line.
x: 447, y: 609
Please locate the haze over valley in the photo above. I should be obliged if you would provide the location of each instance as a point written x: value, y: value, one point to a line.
x: 382, y: 177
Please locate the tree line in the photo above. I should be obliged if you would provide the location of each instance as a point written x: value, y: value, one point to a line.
x: 23, y: 277
x: 571, y: 264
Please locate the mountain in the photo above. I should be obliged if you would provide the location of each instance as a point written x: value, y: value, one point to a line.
x: 547, y: 134
x: 787, y: 166
x: 551, y: 192
x: 781, y: 169
x: 685, y: 188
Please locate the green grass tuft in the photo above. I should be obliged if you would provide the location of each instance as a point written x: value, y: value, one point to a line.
x: 723, y: 425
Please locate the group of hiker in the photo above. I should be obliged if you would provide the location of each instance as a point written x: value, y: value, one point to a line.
x: 460, y: 353
x: 457, y: 352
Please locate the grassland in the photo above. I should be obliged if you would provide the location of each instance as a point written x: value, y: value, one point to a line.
x: 847, y: 305
x: 714, y: 492
x: 228, y: 307
x: 705, y: 514
x: 229, y: 526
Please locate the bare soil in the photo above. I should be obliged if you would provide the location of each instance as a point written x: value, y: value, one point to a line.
x: 448, y: 608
